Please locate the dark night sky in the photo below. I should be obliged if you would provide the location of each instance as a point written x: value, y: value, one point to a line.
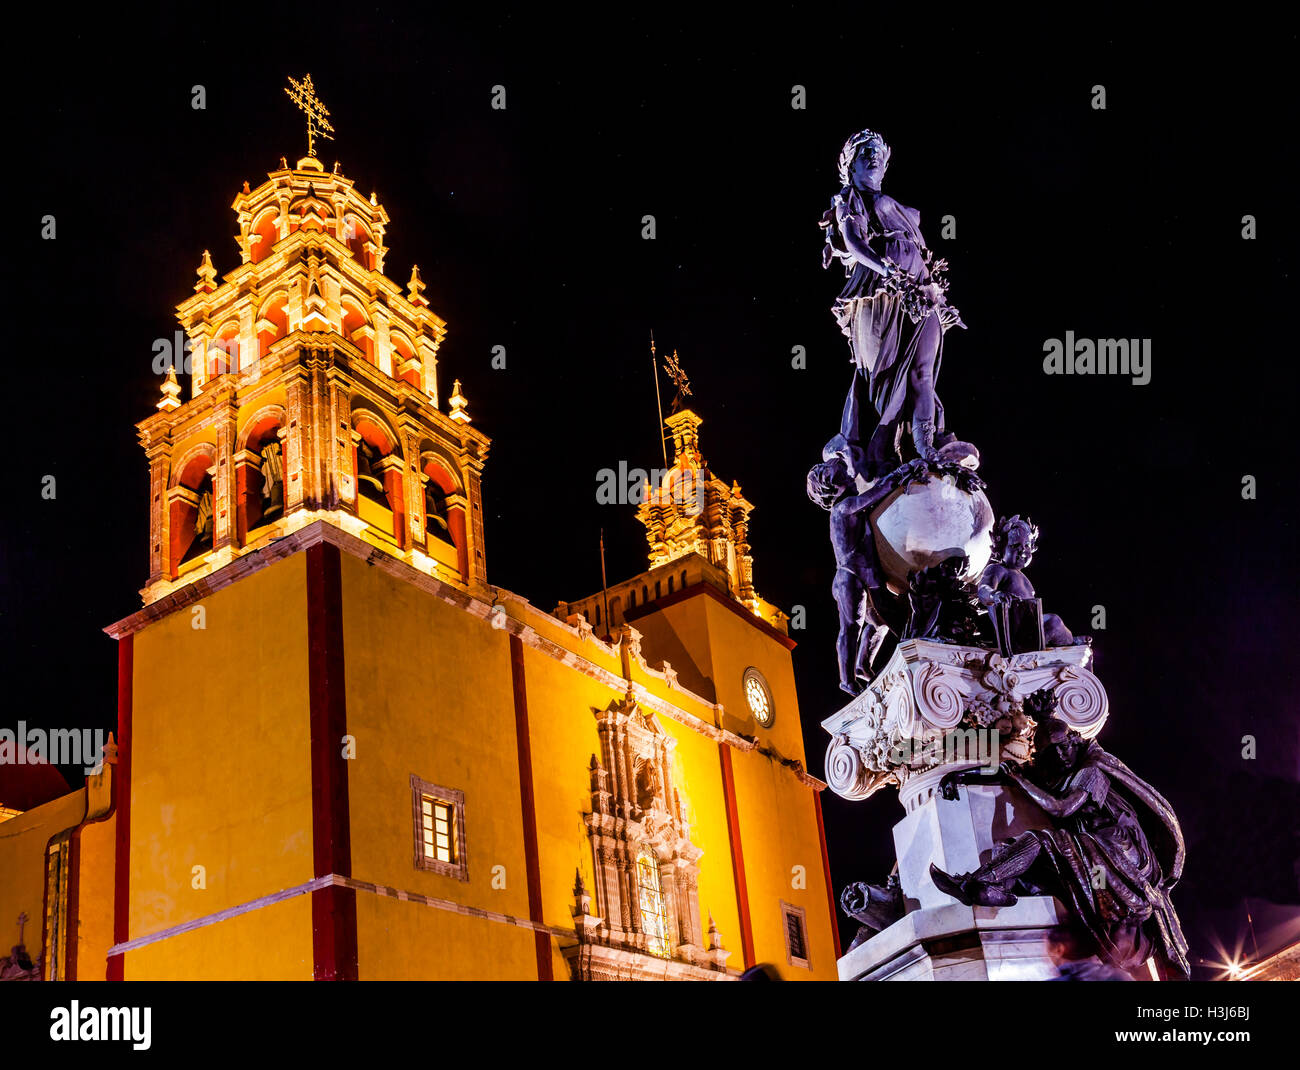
x: 526, y: 225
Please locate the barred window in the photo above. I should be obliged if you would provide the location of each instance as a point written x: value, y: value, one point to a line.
x: 795, y: 923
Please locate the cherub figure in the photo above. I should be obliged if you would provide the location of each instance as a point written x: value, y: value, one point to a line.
x: 833, y: 485
x: 1015, y: 541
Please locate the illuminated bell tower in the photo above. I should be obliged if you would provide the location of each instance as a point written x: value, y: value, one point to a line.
x: 313, y: 396
x: 693, y: 511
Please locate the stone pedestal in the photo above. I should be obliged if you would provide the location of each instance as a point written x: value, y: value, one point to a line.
x: 960, y: 943
x: 957, y: 835
x: 938, y: 708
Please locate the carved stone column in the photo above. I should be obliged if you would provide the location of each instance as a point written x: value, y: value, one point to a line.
x: 159, y: 455
x: 223, y: 477
x: 297, y: 446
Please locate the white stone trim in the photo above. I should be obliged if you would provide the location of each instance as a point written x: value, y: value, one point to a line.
x: 334, y: 880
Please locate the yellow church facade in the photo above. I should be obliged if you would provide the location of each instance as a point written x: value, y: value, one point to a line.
x: 342, y: 753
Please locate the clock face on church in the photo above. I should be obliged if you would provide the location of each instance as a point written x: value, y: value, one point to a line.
x: 759, y: 697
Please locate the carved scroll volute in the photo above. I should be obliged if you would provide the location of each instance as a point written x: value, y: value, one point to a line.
x: 1082, y: 701
x: 847, y: 774
x: 899, y: 711
x: 940, y: 696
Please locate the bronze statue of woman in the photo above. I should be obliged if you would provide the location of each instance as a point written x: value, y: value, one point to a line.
x: 892, y: 309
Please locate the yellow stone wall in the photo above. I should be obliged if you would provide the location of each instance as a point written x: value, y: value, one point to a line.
x: 23, y: 840
x: 429, y: 693
x: 221, y: 776
x: 95, y: 901
x: 778, y: 822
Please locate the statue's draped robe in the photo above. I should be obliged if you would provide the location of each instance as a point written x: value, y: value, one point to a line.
x: 1115, y: 860
x: 881, y: 334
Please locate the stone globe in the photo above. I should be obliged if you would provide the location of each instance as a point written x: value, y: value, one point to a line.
x: 921, y: 524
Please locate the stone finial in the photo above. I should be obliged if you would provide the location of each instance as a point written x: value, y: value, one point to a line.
x: 171, y: 392
x: 715, y: 937
x: 415, y: 288
x: 670, y: 674
x: 586, y: 925
x: 246, y: 190
x: 207, y: 275
x: 457, y: 402
x: 581, y: 900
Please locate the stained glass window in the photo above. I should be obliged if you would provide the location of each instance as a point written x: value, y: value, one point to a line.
x: 654, y: 918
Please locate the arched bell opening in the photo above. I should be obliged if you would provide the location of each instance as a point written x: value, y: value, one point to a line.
x: 272, y: 323
x: 444, y: 514
x: 192, y: 519
x: 263, y: 234
x: 357, y: 237
x: 259, y: 474
x: 436, y: 521
x: 355, y: 326
x: 378, y: 467
x: 370, y: 478
x: 223, y: 351
x: 405, y: 365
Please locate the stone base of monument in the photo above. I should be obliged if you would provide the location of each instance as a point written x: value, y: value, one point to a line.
x: 957, y: 835
x: 916, y: 723
x: 960, y: 943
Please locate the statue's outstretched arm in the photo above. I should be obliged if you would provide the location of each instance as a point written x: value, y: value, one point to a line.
x: 882, y: 488
x: 1050, y: 804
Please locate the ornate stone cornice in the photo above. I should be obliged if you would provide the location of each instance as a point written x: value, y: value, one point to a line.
x: 928, y: 689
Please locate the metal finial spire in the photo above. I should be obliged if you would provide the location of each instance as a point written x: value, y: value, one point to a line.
x: 304, y: 95
x: 674, y: 369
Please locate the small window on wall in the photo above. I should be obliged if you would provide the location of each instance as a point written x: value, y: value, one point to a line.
x: 795, y: 923
x: 439, y: 828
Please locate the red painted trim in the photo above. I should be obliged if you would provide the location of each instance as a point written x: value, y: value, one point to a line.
x: 656, y: 604
x: 542, y: 941
x: 333, y: 909
x: 122, y: 792
x: 737, y: 856
x: 71, y: 920
x: 826, y: 872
